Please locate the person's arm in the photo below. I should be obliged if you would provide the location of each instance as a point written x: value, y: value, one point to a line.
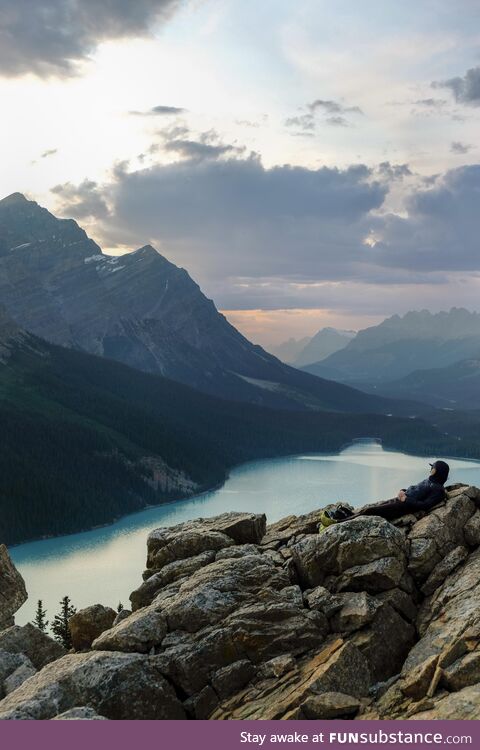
x: 416, y: 494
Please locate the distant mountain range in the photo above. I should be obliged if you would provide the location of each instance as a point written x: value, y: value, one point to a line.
x: 86, y: 439
x: 305, y: 351
x: 454, y: 387
x: 402, y: 345
x: 144, y: 311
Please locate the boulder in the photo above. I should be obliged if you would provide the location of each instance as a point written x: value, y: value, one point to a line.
x: 447, y: 565
x: 9, y: 664
x: 472, y: 530
x: 338, y: 667
x: 12, y: 589
x: 121, y: 616
x: 385, y: 642
x: 352, y: 545
x: 29, y: 640
x: 139, y: 632
x: 88, y: 624
x: 357, y: 611
x: 458, y: 706
x: 116, y: 686
x: 79, y: 713
x: 277, y: 666
x: 194, y: 537
x: 464, y: 672
x: 378, y: 575
x: 17, y: 678
x: 330, y: 706
x: 172, y: 572
x: 435, y: 535
x: 232, y: 678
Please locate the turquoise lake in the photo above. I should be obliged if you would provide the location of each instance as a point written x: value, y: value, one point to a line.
x: 104, y: 565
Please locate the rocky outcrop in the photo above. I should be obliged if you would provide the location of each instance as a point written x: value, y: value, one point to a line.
x: 236, y: 620
x: 87, y: 624
x: 12, y: 589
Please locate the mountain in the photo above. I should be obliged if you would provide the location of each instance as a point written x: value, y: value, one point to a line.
x: 454, y: 387
x: 401, y: 345
x: 289, y: 350
x: 327, y: 341
x: 86, y: 439
x: 142, y: 310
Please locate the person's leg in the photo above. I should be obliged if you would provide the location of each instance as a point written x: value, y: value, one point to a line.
x: 390, y: 510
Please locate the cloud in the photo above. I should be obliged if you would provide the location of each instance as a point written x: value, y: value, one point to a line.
x: 457, y: 147
x: 285, y: 236
x: 50, y: 152
x: 159, y: 111
x: 465, y: 89
x: 333, y: 115
x: 394, y: 171
x: 304, y: 122
x: 84, y: 201
x: 332, y: 108
x: 51, y: 37
x: 431, y: 102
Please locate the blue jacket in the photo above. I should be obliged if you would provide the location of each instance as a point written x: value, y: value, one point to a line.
x: 425, y: 495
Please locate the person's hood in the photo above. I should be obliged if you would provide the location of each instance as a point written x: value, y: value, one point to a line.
x: 442, y: 471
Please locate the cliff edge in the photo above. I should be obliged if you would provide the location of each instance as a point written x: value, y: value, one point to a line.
x: 239, y: 620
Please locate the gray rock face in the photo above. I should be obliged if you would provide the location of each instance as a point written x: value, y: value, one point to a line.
x: 293, y: 625
x: 88, y: 624
x: 29, y: 640
x: 116, y: 686
x: 364, y: 554
x: 12, y: 589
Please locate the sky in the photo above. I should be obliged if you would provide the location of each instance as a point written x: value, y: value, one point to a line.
x: 309, y: 163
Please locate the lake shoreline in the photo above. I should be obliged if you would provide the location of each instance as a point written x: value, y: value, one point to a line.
x: 219, y: 485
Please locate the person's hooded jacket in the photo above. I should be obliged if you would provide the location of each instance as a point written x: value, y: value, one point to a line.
x: 431, y: 491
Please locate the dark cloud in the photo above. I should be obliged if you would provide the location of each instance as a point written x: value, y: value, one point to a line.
x: 394, y: 171
x: 84, y: 201
x: 281, y: 234
x: 304, y: 122
x: 159, y: 111
x: 457, y: 147
x: 466, y: 89
x: 332, y: 108
x: 50, y: 37
x: 197, y: 149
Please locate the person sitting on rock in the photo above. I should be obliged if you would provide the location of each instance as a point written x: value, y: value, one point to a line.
x: 417, y: 497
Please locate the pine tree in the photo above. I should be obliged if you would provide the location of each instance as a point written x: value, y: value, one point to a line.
x: 40, y: 620
x: 120, y: 607
x: 60, y: 627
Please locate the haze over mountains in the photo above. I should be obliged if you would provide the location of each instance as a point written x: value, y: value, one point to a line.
x: 401, y: 345
x: 144, y: 311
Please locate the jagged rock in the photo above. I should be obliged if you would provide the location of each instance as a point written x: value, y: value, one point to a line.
x: 117, y: 686
x: 229, y: 680
x: 435, y: 535
x: 443, y: 569
x: 12, y: 589
x: 357, y: 610
x: 385, y: 643
x: 459, y: 706
x: 338, y: 667
x: 200, y: 706
x: 121, y: 616
x: 238, y: 551
x: 402, y: 602
x: 352, y: 545
x: 175, y: 571
x: 83, y: 713
x: 415, y: 683
x: 472, y: 530
x: 29, y: 640
x: 462, y: 673
x: 277, y: 666
x: 139, y: 632
x: 322, y: 600
x: 378, y: 575
x: 330, y: 706
x: 194, y: 537
x: 17, y: 678
x: 9, y: 664
x: 87, y: 624
x: 288, y: 528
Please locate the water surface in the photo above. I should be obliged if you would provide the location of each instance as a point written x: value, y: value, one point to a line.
x: 104, y: 565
